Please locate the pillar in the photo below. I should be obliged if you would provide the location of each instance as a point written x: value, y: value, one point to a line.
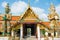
x: 46, y: 33
x: 38, y: 31
x: 56, y: 34
x: 52, y: 34
x: 21, y: 31
x: 13, y: 34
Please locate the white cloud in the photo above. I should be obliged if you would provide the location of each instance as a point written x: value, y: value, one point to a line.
x: 41, y: 13
x: 58, y: 9
x: 18, y: 7
x: 38, y: 10
x: 4, y: 4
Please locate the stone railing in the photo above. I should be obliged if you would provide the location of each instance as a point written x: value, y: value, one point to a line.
x: 50, y: 38
x: 4, y: 38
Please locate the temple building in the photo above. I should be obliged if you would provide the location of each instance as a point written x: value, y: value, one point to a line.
x: 28, y: 24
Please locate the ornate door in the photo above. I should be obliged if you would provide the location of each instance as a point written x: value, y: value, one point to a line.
x: 28, y: 31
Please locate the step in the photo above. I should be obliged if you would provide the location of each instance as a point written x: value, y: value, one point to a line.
x: 31, y: 38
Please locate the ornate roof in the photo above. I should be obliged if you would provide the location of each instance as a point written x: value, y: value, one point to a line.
x: 29, y: 15
x: 13, y: 18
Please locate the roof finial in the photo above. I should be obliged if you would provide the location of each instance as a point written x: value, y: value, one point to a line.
x: 52, y: 7
x: 28, y: 3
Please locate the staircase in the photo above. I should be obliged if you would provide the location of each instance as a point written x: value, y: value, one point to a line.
x: 31, y: 38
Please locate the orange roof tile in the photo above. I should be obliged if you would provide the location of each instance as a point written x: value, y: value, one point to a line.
x: 16, y: 18
x: 47, y: 24
x: 0, y: 24
x: 59, y: 23
x: 1, y: 18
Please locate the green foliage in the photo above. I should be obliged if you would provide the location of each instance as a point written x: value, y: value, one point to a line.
x: 3, y: 33
x: 43, y: 32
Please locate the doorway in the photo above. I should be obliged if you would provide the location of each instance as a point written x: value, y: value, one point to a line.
x: 29, y: 29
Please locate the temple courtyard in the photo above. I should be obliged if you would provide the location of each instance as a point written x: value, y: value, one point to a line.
x: 28, y: 38
x: 28, y: 26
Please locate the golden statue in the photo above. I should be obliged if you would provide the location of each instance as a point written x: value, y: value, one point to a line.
x: 53, y: 15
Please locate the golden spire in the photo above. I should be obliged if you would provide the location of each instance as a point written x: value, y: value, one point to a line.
x: 52, y: 8
x: 53, y: 15
x: 28, y: 3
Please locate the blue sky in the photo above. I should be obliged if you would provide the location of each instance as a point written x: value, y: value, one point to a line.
x: 40, y: 7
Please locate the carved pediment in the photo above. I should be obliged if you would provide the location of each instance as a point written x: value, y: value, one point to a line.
x: 29, y: 15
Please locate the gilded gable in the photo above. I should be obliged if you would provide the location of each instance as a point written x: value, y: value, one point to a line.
x: 29, y: 15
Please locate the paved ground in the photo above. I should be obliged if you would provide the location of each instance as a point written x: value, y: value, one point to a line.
x: 31, y: 38
x: 28, y: 38
x: 34, y: 38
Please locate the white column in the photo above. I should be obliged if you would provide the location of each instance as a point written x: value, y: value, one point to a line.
x: 38, y: 31
x: 46, y: 33
x: 52, y: 34
x: 56, y: 34
x: 12, y: 33
x: 21, y: 31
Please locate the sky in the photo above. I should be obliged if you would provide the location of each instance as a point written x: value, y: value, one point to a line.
x: 40, y: 7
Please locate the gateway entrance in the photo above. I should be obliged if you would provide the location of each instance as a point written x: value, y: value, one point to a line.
x: 29, y: 30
